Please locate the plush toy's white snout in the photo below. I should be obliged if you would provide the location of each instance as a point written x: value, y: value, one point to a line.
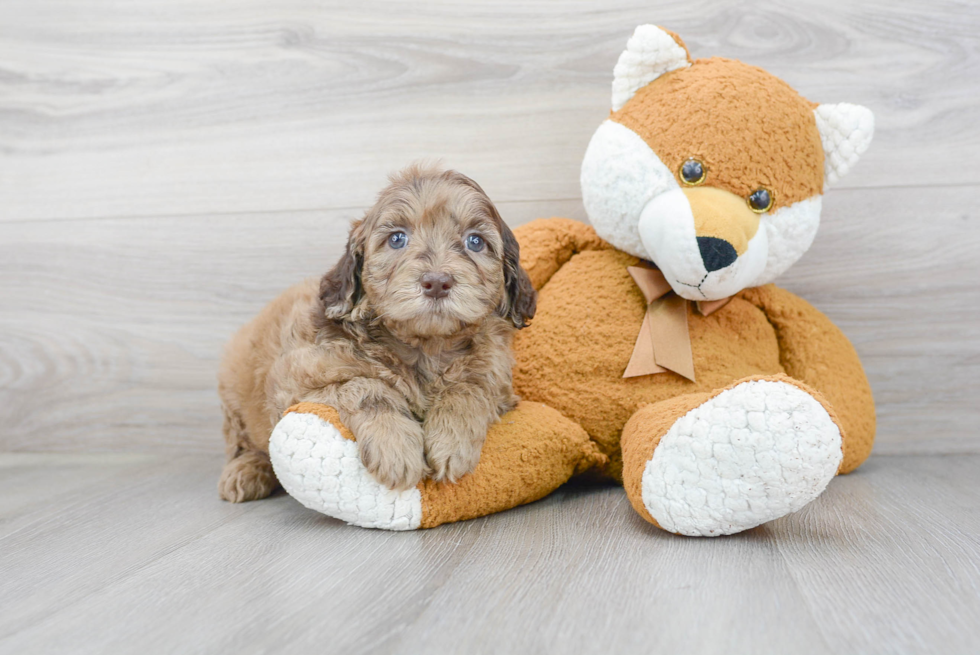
x: 708, y: 256
x: 635, y: 203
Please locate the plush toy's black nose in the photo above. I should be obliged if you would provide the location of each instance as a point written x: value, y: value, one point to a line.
x: 437, y: 285
x: 716, y: 253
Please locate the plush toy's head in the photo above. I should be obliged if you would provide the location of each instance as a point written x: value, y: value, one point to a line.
x: 713, y: 169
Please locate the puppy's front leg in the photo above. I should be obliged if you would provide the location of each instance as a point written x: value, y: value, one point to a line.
x: 455, y: 428
x: 389, y: 439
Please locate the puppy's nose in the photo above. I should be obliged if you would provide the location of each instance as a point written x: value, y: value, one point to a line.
x: 437, y: 285
x: 716, y: 253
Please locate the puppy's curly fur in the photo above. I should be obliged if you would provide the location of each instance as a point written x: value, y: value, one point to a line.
x: 408, y: 337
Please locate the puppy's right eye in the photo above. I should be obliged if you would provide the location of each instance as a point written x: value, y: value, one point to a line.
x: 397, y: 240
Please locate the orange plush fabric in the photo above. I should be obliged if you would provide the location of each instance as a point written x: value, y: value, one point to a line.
x: 532, y: 451
x: 814, y: 350
x: 643, y: 432
x: 573, y: 354
x: 763, y: 136
x: 529, y: 453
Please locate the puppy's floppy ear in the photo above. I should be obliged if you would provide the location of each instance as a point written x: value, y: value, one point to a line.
x: 522, y: 299
x: 340, y: 288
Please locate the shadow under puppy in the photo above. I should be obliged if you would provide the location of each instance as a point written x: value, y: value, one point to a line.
x: 408, y: 337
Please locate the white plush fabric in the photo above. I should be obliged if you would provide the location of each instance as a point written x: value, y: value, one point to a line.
x: 620, y: 175
x: 790, y: 231
x: 666, y: 228
x: 649, y: 53
x: 322, y: 470
x: 846, y: 131
x: 635, y: 203
x: 754, y: 453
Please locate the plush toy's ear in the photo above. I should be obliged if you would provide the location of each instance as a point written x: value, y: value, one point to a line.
x: 845, y: 131
x: 650, y: 53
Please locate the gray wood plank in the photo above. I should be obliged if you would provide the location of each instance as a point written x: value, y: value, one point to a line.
x: 889, y: 560
x: 107, y: 554
x: 112, y: 329
x: 599, y: 579
x: 29, y: 481
x: 203, y: 108
x: 81, y: 540
x: 884, y: 562
x: 895, y: 270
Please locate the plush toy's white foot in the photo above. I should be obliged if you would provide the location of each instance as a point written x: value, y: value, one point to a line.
x: 322, y: 470
x: 751, y: 454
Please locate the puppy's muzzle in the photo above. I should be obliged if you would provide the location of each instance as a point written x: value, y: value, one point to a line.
x: 437, y: 285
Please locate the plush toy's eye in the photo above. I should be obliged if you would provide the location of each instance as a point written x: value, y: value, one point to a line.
x: 475, y: 242
x: 693, y: 172
x: 397, y: 240
x: 760, y: 201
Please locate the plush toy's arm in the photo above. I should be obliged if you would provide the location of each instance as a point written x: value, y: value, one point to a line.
x: 547, y: 243
x: 814, y: 350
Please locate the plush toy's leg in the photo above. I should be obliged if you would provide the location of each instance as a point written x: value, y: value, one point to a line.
x: 726, y: 461
x: 528, y: 454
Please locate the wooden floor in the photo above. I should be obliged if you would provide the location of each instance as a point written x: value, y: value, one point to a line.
x: 136, y: 554
x: 169, y: 166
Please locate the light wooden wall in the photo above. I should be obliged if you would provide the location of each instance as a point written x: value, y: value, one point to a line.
x: 167, y: 167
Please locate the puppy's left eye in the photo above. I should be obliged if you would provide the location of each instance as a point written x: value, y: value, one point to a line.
x: 475, y: 242
x: 398, y: 240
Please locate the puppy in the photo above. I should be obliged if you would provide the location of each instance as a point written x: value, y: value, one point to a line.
x: 408, y: 337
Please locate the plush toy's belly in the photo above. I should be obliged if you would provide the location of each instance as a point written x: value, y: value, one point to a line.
x: 573, y: 354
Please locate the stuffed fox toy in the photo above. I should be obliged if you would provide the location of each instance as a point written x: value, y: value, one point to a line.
x: 660, y: 356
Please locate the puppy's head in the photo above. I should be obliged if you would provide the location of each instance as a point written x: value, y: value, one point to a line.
x: 431, y: 256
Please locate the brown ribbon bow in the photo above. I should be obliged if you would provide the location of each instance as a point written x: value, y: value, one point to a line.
x: 664, y: 342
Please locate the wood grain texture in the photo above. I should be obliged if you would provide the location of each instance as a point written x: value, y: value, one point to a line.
x: 147, y: 559
x: 218, y: 107
x: 166, y: 170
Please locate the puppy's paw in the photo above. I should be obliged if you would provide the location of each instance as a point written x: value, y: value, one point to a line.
x: 394, y: 456
x: 452, y: 455
x: 247, y: 477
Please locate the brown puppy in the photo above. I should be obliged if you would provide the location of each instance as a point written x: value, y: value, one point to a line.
x: 408, y: 337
